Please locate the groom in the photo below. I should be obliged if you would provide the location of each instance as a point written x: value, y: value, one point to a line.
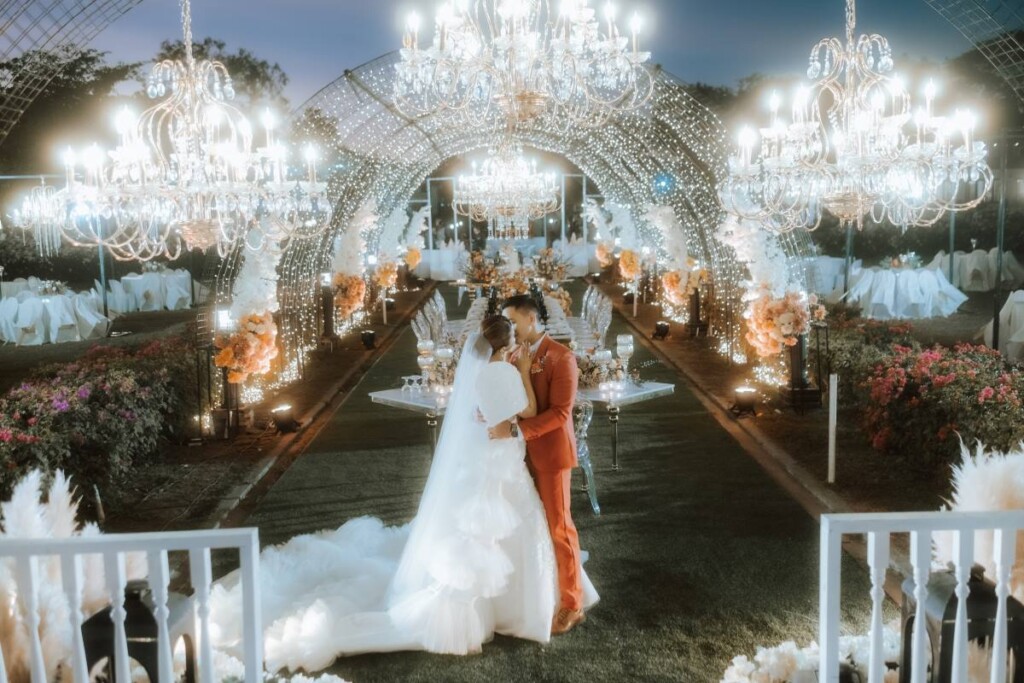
x: 550, y: 448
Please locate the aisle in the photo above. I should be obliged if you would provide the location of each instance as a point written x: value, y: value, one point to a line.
x: 698, y: 555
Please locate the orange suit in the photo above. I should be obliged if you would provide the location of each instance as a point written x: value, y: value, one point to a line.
x: 551, y: 455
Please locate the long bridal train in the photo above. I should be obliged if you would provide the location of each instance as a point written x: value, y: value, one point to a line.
x: 477, y: 559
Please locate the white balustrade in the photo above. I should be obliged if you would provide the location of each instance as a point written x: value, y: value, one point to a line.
x: 29, y: 554
x: 921, y: 527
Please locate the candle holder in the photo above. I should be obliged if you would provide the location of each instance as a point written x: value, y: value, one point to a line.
x: 426, y: 364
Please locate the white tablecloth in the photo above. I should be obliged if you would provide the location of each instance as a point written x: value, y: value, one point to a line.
x: 824, y: 273
x: 154, y: 291
x: 886, y: 294
x: 13, y: 288
x: 976, y: 271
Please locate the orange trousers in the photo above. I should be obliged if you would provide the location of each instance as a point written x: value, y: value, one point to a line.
x: 554, y: 488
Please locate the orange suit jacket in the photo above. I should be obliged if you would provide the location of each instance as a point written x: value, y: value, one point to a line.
x: 550, y: 437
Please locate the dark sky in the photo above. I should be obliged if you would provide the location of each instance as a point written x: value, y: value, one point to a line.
x: 715, y: 41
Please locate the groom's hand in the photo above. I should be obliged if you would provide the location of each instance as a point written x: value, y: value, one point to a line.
x: 502, y: 430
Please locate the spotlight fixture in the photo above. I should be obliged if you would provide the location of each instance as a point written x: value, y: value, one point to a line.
x: 744, y: 401
x: 369, y: 339
x: 661, y: 330
x: 284, y: 419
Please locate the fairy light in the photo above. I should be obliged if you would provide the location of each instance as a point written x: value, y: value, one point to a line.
x: 377, y: 155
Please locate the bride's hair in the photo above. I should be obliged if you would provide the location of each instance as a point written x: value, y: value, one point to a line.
x: 497, y: 330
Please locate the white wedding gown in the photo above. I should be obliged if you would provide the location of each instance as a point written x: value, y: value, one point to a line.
x: 476, y: 560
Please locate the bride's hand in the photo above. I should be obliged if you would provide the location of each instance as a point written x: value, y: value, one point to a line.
x: 523, y: 360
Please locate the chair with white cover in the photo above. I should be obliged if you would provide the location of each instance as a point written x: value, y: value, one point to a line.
x: 118, y: 300
x: 31, y: 329
x: 34, y: 283
x: 25, y: 295
x: 149, y: 292
x: 91, y: 324
x: 860, y: 288
x: 63, y: 322
x: 1013, y: 271
x: 1011, y: 328
x: 9, y: 320
x: 976, y: 273
x: 175, y: 298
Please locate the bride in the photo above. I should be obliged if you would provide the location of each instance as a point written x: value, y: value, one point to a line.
x: 476, y: 560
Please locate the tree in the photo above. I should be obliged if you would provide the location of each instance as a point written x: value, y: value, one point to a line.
x: 67, y: 107
x: 257, y: 81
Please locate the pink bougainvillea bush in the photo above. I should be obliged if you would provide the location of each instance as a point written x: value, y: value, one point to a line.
x: 95, y: 416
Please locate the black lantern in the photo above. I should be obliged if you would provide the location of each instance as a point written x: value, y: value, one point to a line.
x: 369, y: 339
x: 661, y: 329
x: 744, y: 401
x: 941, y: 606
x: 140, y: 627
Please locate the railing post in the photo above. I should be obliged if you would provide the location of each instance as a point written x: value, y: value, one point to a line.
x: 252, y: 610
x: 828, y: 602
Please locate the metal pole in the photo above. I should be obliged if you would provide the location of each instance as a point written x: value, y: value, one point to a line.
x: 103, y: 281
x: 952, y: 245
x: 564, y: 244
x: 1000, y: 230
x: 430, y: 218
x: 849, y: 257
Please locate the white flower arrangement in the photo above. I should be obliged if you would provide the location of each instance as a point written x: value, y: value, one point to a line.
x: 350, y: 246
x: 673, y: 234
x: 255, y: 289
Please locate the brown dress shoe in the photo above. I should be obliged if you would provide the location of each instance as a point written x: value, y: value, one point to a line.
x: 566, y: 620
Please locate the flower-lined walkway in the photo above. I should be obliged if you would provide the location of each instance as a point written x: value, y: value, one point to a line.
x: 698, y: 555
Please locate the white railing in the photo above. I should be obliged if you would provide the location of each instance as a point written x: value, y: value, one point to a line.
x: 26, y: 554
x: 920, y: 525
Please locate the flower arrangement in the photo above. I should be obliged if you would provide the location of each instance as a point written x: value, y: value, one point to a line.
x: 604, y: 253
x: 563, y: 298
x: 512, y: 284
x: 413, y: 257
x: 551, y: 265
x: 479, y: 268
x: 789, y: 662
x: 349, y: 294
x: 679, y: 285
x: 386, y: 275
x: 592, y: 373
x: 52, y: 287
x: 249, y: 350
x: 629, y: 265
x: 774, y: 324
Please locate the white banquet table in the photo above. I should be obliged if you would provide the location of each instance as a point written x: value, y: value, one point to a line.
x: 901, y: 293
x: 824, y: 273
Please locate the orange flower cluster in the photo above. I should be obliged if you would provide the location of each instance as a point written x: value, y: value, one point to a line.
x: 629, y: 265
x: 550, y: 265
x: 675, y: 288
x: 513, y: 284
x: 604, y: 255
x: 386, y: 275
x: 250, y: 350
x: 480, y: 269
x: 349, y: 293
x: 563, y: 299
x: 413, y: 257
x: 774, y: 324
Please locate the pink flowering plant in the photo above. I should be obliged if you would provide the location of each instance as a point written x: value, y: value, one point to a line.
x: 917, y: 401
x: 98, y: 415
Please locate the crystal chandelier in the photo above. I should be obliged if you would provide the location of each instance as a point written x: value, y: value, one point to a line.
x: 508, y: 62
x: 856, y: 148
x: 183, y: 175
x: 507, y: 192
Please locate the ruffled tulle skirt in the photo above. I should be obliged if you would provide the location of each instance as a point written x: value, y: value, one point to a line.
x: 331, y: 593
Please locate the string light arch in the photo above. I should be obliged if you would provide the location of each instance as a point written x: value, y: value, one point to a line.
x: 387, y: 156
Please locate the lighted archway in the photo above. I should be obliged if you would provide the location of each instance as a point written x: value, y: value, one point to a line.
x: 388, y: 156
